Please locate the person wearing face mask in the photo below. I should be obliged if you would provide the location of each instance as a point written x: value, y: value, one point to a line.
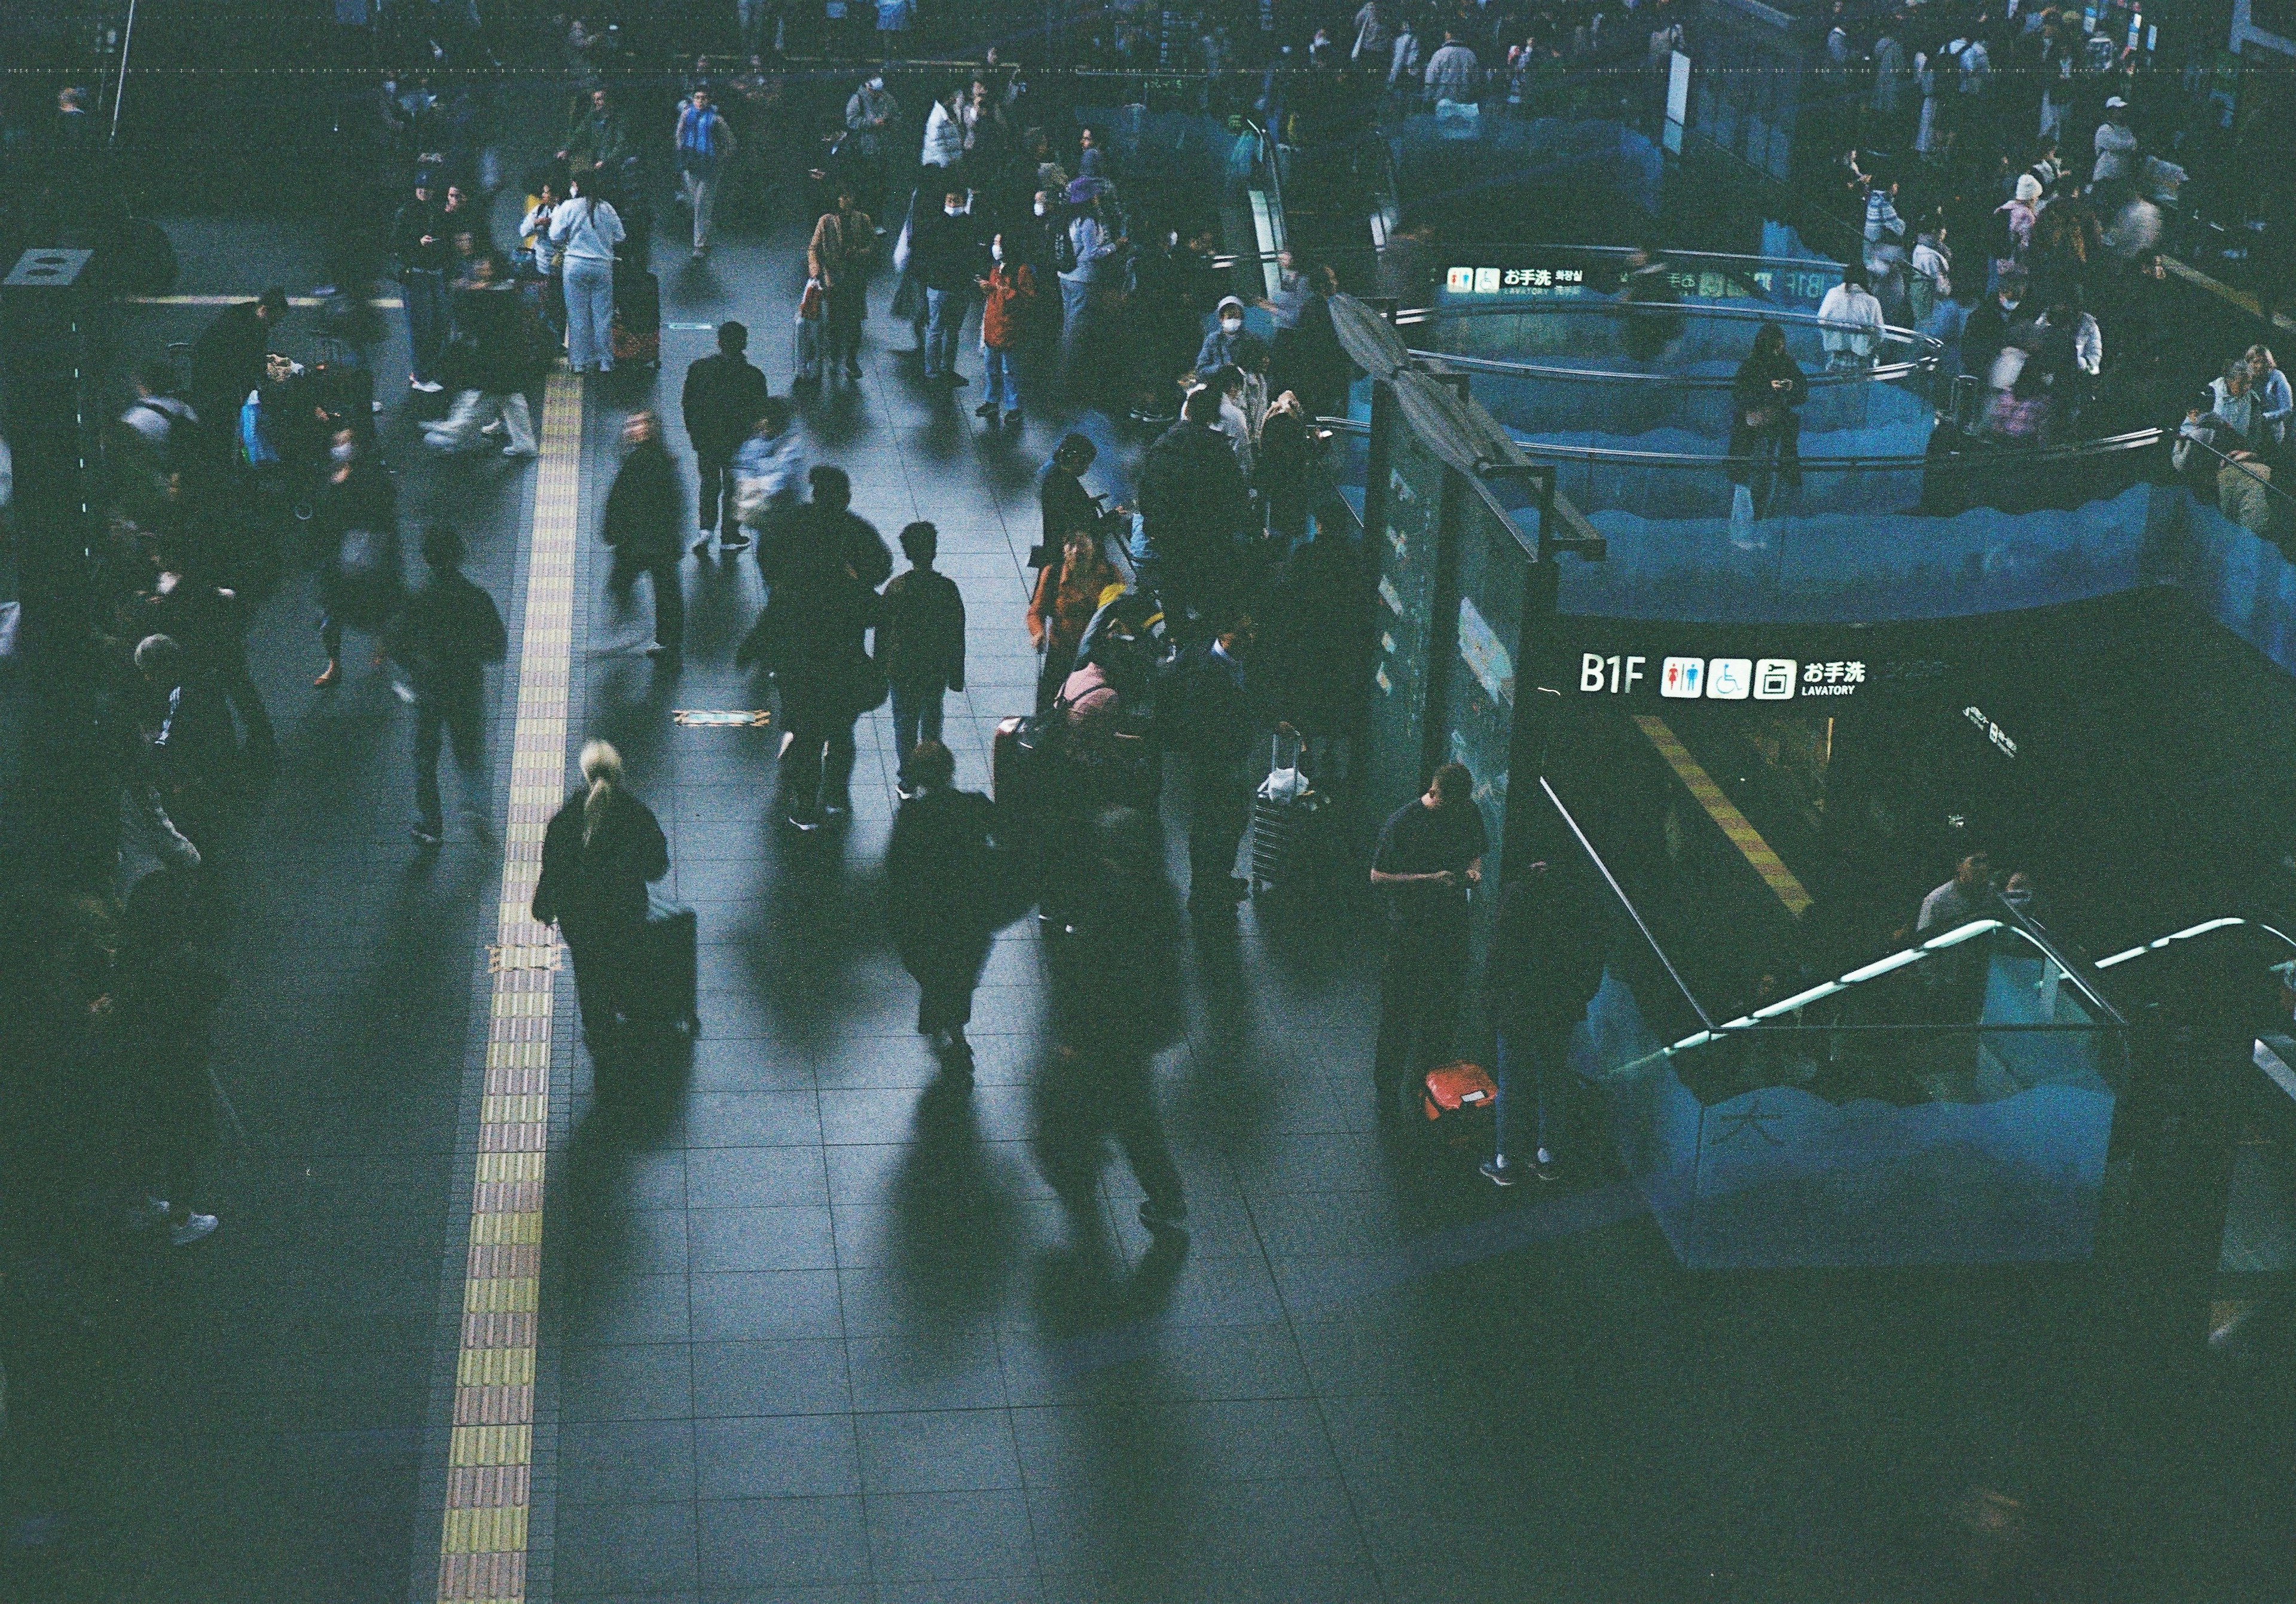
x: 1227, y: 345
x: 1993, y: 324
x: 869, y: 115
x: 945, y: 256
x: 1007, y: 294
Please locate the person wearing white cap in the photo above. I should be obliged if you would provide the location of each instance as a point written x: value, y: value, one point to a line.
x: 2115, y: 144
x: 2018, y: 214
x: 1229, y: 345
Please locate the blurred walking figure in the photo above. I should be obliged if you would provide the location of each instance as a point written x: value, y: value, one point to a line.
x: 450, y: 631
x: 1116, y: 1004
x: 939, y: 874
x: 645, y: 511
x: 487, y: 364
x: 601, y: 848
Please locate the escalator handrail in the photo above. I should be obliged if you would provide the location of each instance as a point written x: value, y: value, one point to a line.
x: 2193, y: 931
x: 1626, y: 902
x: 2135, y: 440
x: 1929, y: 345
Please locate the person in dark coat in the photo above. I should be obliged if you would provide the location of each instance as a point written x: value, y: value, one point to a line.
x: 208, y: 621
x: 1428, y: 862
x: 1193, y: 504
x: 919, y: 644
x: 1545, y: 967
x: 362, y: 581
x: 1065, y: 505
x: 164, y: 997
x: 1765, y: 416
x: 946, y: 253
x: 488, y: 364
x: 228, y: 357
x: 1319, y: 636
x: 1116, y: 1004
x: 938, y: 878
x: 824, y: 569
x: 186, y: 755
x: 724, y: 398
x: 449, y: 631
x: 602, y: 847
x: 1216, y: 727
x: 644, y: 512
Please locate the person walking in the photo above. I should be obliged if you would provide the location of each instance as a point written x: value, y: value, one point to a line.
x: 844, y: 244
x: 209, y: 621
x: 644, y: 512
x: 945, y: 256
x: 450, y: 631
x: 1068, y: 594
x: 227, y: 360
x: 1545, y: 967
x: 723, y: 396
x: 1428, y: 860
x: 919, y: 645
x: 939, y: 881
x: 769, y: 480
x: 822, y: 575
x: 1116, y: 1004
x: 164, y: 998
x: 587, y: 229
x: 704, y: 144
x: 601, y: 848
x: 362, y: 581
x: 488, y: 363
x: 1007, y: 296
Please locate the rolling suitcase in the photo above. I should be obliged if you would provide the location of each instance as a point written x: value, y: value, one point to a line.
x: 637, y: 318
x: 1286, y: 814
x: 1461, y: 1103
x: 665, y: 984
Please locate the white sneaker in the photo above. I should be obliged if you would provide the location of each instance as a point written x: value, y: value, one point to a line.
x: 493, y: 429
x: 197, y: 1228
x: 521, y: 451
x: 429, y: 386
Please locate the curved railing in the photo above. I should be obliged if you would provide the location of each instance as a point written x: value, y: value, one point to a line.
x: 1925, y: 350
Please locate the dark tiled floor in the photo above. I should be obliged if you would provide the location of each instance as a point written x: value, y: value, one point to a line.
x: 813, y: 1332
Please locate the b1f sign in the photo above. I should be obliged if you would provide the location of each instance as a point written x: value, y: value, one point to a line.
x: 1614, y: 674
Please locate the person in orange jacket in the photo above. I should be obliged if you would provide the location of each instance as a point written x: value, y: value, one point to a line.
x: 1007, y: 293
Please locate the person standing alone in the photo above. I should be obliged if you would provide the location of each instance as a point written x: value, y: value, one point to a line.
x: 601, y: 848
x: 1429, y: 857
x: 449, y: 631
x: 723, y: 396
x: 642, y: 513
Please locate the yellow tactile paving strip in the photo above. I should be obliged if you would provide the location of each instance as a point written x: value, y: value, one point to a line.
x: 1723, y: 811
x: 482, y: 1549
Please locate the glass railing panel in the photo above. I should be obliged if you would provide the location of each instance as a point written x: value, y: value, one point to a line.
x: 1405, y: 555
x: 1959, y: 1114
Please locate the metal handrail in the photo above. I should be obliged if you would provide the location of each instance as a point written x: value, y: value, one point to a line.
x: 1929, y: 347
x: 2108, y: 445
x: 2260, y: 478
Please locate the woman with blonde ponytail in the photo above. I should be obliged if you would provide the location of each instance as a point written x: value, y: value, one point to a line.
x: 602, y: 846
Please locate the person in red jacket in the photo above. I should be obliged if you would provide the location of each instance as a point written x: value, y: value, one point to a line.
x: 1007, y: 293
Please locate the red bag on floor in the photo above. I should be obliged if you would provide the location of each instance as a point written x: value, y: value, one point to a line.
x: 1459, y: 1101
